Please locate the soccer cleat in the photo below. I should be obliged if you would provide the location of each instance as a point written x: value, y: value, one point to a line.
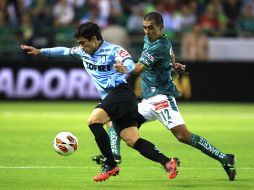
x: 106, y: 173
x: 117, y: 158
x: 230, y: 167
x: 171, y: 167
x: 99, y: 159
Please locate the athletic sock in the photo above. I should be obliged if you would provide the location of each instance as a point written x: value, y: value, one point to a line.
x: 150, y: 151
x: 102, y: 140
x: 114, y: 141
x: 207, y: 148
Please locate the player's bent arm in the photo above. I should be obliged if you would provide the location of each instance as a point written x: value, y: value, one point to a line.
x: 173, y: 58
x: 139, y: 68
x: 125, y: 67
x: 177, y: 67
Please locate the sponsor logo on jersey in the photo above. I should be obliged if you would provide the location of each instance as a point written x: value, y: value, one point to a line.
x: 123, y: 54
x: 102, y: 68
x: 151, y: 58
x: 91, y: 65
x: 161, y: 105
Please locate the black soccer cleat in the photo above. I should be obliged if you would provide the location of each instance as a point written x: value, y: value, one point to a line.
x: 99, y: 159
x: 230, y: 167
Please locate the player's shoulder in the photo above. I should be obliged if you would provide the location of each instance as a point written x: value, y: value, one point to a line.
x: 115, y: 50
x: 164, y: 41
x: 162, y: 44
x: 109, y: 45
x: 114, y: 47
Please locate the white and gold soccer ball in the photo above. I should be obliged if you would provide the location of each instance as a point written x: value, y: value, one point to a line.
x: 65, y: 143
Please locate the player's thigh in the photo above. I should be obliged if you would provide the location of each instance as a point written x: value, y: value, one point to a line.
x: 127, y: 120
x: 98, y: 115
x: 120, y: 102
x: 169, y: 118
x: 168, y: 113
x: 146, y: 111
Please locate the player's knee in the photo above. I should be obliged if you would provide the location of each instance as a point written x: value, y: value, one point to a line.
x: 180, y: 138
x: 130, y: 141
x: 184, y: 138
x: 93, y: 119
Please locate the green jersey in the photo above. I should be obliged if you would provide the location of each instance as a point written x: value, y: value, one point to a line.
x: 156, y: 79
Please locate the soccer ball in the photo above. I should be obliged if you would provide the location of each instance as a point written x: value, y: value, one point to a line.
x: 65, y: 143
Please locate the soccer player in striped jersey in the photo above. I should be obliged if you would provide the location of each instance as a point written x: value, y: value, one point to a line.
x: 156, y: 65
x: 118, y: 102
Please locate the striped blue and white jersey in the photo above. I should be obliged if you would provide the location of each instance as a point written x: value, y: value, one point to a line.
x: 99, y: 65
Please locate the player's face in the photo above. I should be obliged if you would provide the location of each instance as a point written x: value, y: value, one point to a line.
x: 89, y: 46
x: 152, y: 31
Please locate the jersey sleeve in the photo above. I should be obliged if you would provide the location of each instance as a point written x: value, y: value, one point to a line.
x: 123, y: 55
x: 76, y: 52
x: 150, y: 56
x: 61, y: 51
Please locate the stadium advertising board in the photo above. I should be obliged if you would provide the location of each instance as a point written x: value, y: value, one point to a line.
x: 52, y: 81
x: 62, y: 80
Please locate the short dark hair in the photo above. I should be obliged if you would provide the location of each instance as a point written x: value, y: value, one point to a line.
x: 88, y: 30
x: 154, y: 16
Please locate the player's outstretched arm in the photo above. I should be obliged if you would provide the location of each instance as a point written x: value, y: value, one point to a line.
x: 30, y: 49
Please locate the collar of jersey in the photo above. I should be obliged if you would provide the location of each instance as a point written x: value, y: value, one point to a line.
x: 99, y: 47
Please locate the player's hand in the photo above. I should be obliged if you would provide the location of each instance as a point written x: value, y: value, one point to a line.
x: 30, y: 49
x: 179, y: 66
x: 119, y: 67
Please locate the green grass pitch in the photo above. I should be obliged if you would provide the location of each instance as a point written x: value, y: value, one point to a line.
x: 28, y: 161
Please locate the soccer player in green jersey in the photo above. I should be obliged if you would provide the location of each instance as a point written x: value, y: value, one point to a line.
x: 156, y: 65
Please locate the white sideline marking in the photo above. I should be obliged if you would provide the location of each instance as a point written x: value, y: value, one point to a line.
x: 83, y: 167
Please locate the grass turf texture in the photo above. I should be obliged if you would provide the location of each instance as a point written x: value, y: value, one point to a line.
x: 28, y: 161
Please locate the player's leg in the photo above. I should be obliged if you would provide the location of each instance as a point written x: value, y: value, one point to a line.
x: 115, y: 139
x: 147, y: 149
x: 114, y: 142
x: 96, y: 121
x: 227, y: 160
x: 118, y: 103
x: 115, y: 146
x: 170, y: 117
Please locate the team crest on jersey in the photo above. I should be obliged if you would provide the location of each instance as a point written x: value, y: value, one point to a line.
x: 123, y: 54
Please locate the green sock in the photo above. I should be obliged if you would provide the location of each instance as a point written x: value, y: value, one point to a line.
x: 114, y: 141
x: 207, y: 148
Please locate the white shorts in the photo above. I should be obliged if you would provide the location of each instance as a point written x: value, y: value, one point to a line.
x: 161, y: 108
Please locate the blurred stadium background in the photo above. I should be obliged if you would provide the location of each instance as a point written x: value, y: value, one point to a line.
x: 214, y: 38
